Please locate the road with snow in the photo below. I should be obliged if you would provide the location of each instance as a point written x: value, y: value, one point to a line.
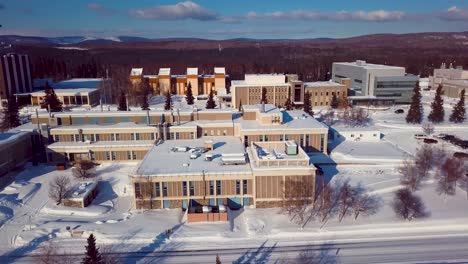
x: 416, y: 250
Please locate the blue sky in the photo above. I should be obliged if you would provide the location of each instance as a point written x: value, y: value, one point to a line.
x: 219, y: 19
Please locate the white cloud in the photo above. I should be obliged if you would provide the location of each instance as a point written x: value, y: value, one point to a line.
x: 378, y: 15
x: 100, y: 9
x: 179, y: 11
x: 454, y: 14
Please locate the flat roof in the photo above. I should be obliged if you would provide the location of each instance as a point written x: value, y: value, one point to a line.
x: 294, y: 119
x: 161, y: 160
x: 322, y: 84
x: 78, y: 83
x: 269, y: 108
x: 81, y: 190
x: 136, y: 71
x: 123, y: 125
x: 219, y: 70
x: 71, y: 91
x: 192, y: 71
x: 11, y: 136
x: 370, y: 66
x: 165, y: 71
x: 71, y: 146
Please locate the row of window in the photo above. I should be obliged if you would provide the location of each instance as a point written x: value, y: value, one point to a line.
x: 212, y: 132
x: 161, y: 188
x: 327, y: 93
x: 111, y: 155
x: 97, y: 137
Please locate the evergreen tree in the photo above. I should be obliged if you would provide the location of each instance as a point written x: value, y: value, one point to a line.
x: 211, y: 104
x: 122, y: 102
x: 92, y: 252
x: 458, y: 114
x: 11, y: 115
x: 51, y: 100
x: 218, y: 261
x: 415, y: 113
x: 189, y: 97
x: 145, y: 103
x: 307, y: 104
x: 168, y: 104
x: 334, y: 102
x: 288, y: 104
x: 264, y: 96
x: 437, y: 106
x: 145, y: 92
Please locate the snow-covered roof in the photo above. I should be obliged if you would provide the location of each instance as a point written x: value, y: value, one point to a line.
x: 292, y: 120
x: 162, y: 160
x: 81, y: 190
x: 269, y: 108
x: 69, y: 92
x: 219, y: 70
x: 165, y: 71
x: 322, y: 84
x: 192, y: 71
x: 136, y: 71
x: 11, y: 136
x: 78, y: 83
x: 370, y: 66
x: 72, y: 146
x: 123, y: 125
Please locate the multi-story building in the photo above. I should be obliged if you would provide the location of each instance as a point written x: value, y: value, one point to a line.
x: 15, y: 75
x: 169, y: 174
x: 16, y: 148
x: 278, y: 89
x: 375, y: 83
x: 164, y: 82
x: 453, y: 80
x: 321, y: 93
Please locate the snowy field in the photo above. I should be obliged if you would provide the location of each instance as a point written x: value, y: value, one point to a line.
x: 28, y: 218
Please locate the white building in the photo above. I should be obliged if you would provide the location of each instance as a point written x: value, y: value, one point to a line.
x: 376, y: 82
x: 358, y: 134
x: 453, y: 80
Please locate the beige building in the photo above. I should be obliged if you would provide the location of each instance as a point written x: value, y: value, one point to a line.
x: 164, y: 82
x: 453, y: 80
x: 322, y: 92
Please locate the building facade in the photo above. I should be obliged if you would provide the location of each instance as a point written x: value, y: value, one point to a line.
x: 15, y: 75
x: 165, y: 82
x: 321, y: 93
x: 453, y: 80
x: 375, y: 82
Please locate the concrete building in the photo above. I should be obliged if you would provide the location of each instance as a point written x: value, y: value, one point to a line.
x: 164, y: 81
x: 15, y: 75
x: 208, y: 156
x: 453, y: 80
x: 375, y: 83
x: 249, y: 90
x: 73, y: 92
x: 322, y: 92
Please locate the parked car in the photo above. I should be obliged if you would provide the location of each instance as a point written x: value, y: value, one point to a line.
x: 442, y: 135
x: 420, y: 136
x: 430, y: 141
x: 399, y: 111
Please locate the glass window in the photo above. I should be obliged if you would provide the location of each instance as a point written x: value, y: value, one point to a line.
x: 109, y: 120
x: 91, y: 137
x: 85, y: 100
x: 113, y: 155
x: 184, y: 188
x: 107, y: 155
x: 137, y: 136
x: 152, y: 136
x: 97, y: 137
x: 218, y: 187
x: 56, y: 138
x: 164, y: 188
x: 117, y: 137
x: 93, y: 120
x: 137, y: 190
x: 78, y: 120
x: 132, y: 136
x: 134, y: 156
x: 238, y: 187
x: 192, y: 188
x: 211, y: 188
x: 124, y: 119
x: 129, y: 155
x: 157, y: 187
x: 112, y: 137
x: 244, y: 186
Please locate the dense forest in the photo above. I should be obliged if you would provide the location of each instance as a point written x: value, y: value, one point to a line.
x: 311, y: 60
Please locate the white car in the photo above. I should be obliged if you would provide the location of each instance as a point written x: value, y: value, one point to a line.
x: 420, y: 136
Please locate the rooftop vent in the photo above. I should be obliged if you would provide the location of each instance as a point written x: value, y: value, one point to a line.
x: 360, y: 62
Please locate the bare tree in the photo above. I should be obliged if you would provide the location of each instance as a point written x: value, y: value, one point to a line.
x: 428, y: 128
x: 365, y: 204
x: 84, y: 169
x: 346, y: 199
x: 297, y: 199
x: 325, y: 201
x: 450, y: 173
x: 439, y: 155
x: 59, y: 188
x: 463, y: 182
x: 424, y: 160
x: 410, y: 176
x: 108, y: 255
x: 49, y: 254
x: 407, y: 205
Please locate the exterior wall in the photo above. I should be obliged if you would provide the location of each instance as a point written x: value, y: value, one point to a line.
x: 269, y: 191
x: 309, y: 141
x: 207, y: 217
x: 361, y: 136
x: 322, y: 96
x: 193, y: 80
x: 249, y: 95
x: 15, y: 152
x: 454, y: 88
x: 15, y: 75
x: 219, y: 81
x: 164, y: 84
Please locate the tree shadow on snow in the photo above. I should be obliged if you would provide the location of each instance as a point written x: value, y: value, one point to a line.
x: 145, y: 254
x: 106, y: 193
x: 14, y: 255
x: 260, y: 255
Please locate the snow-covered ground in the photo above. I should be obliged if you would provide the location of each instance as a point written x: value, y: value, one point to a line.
x: 28, y: 218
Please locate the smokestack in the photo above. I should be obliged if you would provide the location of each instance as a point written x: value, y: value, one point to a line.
x: 147, y: 118
x: 178, y: 116
x: 263, y: 106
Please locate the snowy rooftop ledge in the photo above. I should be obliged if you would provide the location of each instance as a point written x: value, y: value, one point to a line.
x: 81, y: 190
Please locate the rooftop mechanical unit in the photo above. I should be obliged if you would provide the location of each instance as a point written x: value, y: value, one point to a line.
x: 291, y: 147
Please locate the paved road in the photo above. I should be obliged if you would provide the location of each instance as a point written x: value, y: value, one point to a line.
x: 426, y: 250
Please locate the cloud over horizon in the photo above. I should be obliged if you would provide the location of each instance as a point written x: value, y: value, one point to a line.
x: 454, y: 14
x: 100, y: 9
x: 371, y: 16
x: 179, y: 11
